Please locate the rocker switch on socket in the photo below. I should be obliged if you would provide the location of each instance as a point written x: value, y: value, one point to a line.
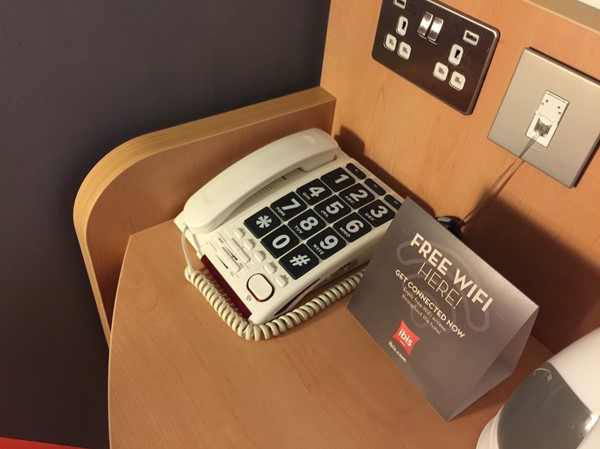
x: 547, y: 117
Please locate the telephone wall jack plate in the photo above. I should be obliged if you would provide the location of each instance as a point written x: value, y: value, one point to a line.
x: 563, y: 103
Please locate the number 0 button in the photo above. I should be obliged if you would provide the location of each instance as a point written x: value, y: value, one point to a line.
x: 280, y: 241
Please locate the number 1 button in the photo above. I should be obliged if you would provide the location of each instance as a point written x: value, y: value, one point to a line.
x: 338, y: 179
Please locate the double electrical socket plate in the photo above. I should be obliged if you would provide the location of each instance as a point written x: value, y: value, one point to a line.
x: 555, y: 105
x: 437, y: 48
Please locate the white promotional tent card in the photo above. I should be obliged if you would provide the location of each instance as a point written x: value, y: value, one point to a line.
x: 452, y: 324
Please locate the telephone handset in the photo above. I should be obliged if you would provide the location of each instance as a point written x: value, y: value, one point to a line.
x: 286, y: 219
x: 213, y: 203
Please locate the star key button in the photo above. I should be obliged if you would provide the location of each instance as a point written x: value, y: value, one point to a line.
x: 262, y: 222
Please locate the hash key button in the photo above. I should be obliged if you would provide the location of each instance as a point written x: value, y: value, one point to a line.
x: 299, y: 261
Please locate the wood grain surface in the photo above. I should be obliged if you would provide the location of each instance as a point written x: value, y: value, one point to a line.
x: 147, y: 180
x: 543, y: 236
x: 180, y: 378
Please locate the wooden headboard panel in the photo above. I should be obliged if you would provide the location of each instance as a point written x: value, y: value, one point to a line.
x: 541, y: 235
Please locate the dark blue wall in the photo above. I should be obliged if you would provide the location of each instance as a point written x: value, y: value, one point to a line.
x: 77, y: 79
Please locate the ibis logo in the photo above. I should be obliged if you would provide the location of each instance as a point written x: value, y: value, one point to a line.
x: 406, y: 338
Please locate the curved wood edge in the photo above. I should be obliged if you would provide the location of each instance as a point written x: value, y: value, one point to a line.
x: 146, y: 181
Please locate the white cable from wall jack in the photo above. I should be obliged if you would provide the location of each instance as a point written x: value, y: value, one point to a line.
x: 502, y: 180
x: 250, y: 331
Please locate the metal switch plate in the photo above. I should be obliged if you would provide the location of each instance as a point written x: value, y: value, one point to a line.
x: 562, y: 98
x: 437, y: 48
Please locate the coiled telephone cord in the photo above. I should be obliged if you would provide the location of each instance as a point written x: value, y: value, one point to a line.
x: 250, y: 331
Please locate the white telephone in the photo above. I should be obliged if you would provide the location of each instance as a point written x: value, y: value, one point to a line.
x: 286, y: 219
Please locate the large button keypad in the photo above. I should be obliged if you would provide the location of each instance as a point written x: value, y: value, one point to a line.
x: 321, y: 217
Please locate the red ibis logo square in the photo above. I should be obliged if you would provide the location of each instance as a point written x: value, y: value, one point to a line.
x: 407, y: 338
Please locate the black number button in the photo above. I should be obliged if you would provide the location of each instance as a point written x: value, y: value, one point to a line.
x: 307, y: 224
x: 338, y: 179
x: 288, y: 206
x: 357, y: 196
x: 377, y: 213
x: 299, y: 261
x: 262, y: 222
x: 352, y: 227
x: 280, y: 241
x: 356, y: 171
x: 314, y: 191
x: 327, y: 243
x: 332, y: 209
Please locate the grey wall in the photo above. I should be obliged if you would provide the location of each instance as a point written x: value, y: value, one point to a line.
x: 77, y: 78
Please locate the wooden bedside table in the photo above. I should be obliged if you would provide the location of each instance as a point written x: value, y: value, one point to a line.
x: 180, y: 378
